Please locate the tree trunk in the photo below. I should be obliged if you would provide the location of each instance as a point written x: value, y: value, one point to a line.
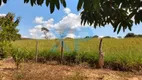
x: 36, y: 50
x: 101, y: 55
x: 62, y: 51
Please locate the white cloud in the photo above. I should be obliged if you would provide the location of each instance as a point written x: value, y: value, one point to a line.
x: 70, y: 22
x: 39, y: 20
x: 71, y: 35
x: 2, y: 15
x: 100, y: 37
x: 67, y: 10
x: 38, y: 26
x: 24, y: 36
x: 68, y: 25
x: 35, y: 32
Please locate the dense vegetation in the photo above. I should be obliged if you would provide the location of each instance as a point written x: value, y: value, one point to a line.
x: 8, y: 33
x: 132, y: 35
x: 120, y: 54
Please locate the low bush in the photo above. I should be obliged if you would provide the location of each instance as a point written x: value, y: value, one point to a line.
x: 18, y: 56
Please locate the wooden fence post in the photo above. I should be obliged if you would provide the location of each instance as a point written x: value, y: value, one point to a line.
x: 62, y: 51
x: 101, y: 55
x: 36, y: 50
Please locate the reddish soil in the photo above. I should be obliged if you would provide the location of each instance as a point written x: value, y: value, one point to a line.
x: 38, y: 71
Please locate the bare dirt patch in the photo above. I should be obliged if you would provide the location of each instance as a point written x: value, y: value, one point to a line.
x: 38, y: 71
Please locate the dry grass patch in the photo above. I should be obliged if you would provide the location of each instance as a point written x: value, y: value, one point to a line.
x: 38, y: 71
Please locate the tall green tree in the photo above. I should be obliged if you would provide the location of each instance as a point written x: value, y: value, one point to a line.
x: 8, y: 32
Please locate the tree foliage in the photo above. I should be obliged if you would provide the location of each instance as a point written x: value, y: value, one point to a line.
x: 2, y: 1
x: 121, y: 14
x: 132, y: 35
x: 118, y: 13
x: 45, y: 31
x: 8, y: 32
x: 51, y: 3
x: 18, y: 56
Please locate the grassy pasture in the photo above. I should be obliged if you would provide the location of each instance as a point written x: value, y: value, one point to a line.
x: 120, y: 54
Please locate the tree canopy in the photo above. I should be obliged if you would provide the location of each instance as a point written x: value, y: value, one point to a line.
x: 45, y: 30
x: 8, y: 33
x: 132, y: 35
x: 121, y: 14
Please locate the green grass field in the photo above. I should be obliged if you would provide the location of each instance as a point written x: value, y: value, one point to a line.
x: 122, y: 54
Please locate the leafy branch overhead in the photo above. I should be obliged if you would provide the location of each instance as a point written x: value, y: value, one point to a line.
x: 3, y: 1
x: 52, y: 3
x: 121, y: 14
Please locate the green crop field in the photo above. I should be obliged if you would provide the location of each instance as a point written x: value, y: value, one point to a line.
x: 122, y: 54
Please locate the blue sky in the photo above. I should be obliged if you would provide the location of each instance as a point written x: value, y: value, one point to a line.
x: 33, y: 18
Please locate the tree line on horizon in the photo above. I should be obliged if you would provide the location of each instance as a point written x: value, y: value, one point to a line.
x: 128, y: 35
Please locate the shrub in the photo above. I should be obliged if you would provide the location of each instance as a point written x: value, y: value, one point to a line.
x: 70, y: 57
x: 8, y: 33
x: 45, y: 55
x: 18, y: 55
x: 5, y: 49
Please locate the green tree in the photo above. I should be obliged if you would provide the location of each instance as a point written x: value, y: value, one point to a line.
x: 45, y: 31
x: 8, y: 33
x: 107, y: 37
x: 96, y: 36
x: 87, y: 37
x: 130, y: 35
